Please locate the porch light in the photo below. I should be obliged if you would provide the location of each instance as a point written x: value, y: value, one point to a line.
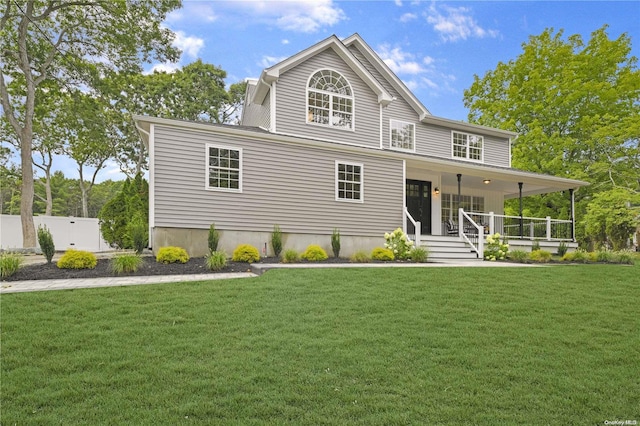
x: 436, y: 190
x: 486, y: 181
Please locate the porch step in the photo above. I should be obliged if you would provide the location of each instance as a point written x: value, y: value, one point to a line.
x: 443, y: 248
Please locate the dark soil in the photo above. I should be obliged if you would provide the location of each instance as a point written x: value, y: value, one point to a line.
x: 149, y: 267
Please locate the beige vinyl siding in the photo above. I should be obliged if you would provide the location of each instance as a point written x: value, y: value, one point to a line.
x: 291, y: 104
x: 496, y: 151
x: 430, y: 140
x: 289, y: 185
x: 256, y: 115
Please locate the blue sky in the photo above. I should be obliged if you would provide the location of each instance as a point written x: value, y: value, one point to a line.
x: 436, y: 48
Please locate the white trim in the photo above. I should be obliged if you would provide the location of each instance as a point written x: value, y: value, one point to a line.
x: 273, y: 73
x: 350, y: 163
x: 385, y: 71
x: 436, y: 164
x: 351, y: 97
x: 152, y: 181
x: 472, y: 160
x: 510, y: 144
x: 404, y: 195
x: 272, y: 106
x: 381, y: 131
x: 413, y: 135
x: 206, y: 168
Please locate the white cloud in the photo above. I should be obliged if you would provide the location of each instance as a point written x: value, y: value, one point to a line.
x: 398, y: 2
x: 193, y: 10
x: 189, y: 45
x: 285, y: 41
x: 456, y: 23
x: 416, y: 71
x: 305, y: 16
x: 167, y: 67
x: 408, y: 17
x: 267, y: 61
x: 399, y: 61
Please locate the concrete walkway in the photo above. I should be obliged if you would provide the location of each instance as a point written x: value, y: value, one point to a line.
x: 257, y: 269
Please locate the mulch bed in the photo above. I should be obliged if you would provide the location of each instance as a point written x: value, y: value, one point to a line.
x: 149, y: 267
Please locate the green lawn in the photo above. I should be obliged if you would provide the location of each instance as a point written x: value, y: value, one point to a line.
x: 553, y: 345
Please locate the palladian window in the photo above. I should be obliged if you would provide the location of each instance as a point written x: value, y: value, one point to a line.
x: 330, y: 100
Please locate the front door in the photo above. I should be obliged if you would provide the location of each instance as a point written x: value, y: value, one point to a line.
x: 419, y: 203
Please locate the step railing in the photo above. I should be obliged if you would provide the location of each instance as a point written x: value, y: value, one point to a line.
x: 416, y: 225
x: 471, y: 232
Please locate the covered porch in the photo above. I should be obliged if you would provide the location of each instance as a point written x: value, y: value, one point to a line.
x: 466, y: 202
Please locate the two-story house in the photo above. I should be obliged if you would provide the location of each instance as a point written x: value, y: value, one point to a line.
x: 331, y: 138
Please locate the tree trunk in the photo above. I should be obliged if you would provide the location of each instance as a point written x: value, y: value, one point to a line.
x: 26, y: 201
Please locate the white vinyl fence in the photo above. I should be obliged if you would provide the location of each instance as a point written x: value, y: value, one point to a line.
x: 68, y: 232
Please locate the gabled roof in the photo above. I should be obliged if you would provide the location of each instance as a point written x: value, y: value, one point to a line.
x: 272, y: 74
x: 356, y: 41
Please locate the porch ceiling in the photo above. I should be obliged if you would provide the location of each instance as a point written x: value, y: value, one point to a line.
x: 502, y: 179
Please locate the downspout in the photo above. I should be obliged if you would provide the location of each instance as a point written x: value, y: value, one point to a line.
x: 573, y: 215
x: 520, y: 198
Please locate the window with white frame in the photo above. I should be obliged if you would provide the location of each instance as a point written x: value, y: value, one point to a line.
x: 469, y: 203
x: 330, y: 100
x: 402, y: 135
x: 224, y: 168
x: 467, y: 146
x: 349, y: 181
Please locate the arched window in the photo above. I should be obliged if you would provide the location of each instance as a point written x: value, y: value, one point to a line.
x: 330, y: 100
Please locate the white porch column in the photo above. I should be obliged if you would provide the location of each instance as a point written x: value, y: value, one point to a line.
x: 492, y: 223
x: 548, y: 228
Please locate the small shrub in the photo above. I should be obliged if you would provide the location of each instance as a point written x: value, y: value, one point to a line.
x: 314, y: 253
x: 399, y: 243
x: 138, y: 233
x: 383, y: 254
x: 45, y: 239
x: 360, y: 257
x: 290, y: 256
x: 216, y: 260
x: 626, y: 257
x: 562, y: 249
x: 535, y: 246
x: 77, y: 259
x: 604, y: 256
x: 126, y: 263
x: 10, y: 263
x: 335, y: 242
x: 540, y: 256
x: 519, y: 256
x: 592, y: 257
x: 213, y: 239
x: 578, y: 256
x: 495, y: 249
x: 276, y: 240
x: 246, y: 253
x: 419, y: 255
x: 171, y: 254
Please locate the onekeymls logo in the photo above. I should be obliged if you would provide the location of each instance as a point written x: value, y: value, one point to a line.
x: 621, y: 422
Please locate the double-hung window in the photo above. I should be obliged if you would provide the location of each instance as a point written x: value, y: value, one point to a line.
x: 467, y: 146
x: 349, y: 182
x: 330, y: 100
x: 224, y: 168
x: 402, y: 135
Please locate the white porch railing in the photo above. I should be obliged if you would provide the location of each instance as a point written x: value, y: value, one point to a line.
x: 416, y: 225
x: 471, y: 232
x: 528, y: 228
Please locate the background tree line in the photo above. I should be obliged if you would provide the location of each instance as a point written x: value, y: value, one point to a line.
x: 71, y: 77
x: 576, y: 108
